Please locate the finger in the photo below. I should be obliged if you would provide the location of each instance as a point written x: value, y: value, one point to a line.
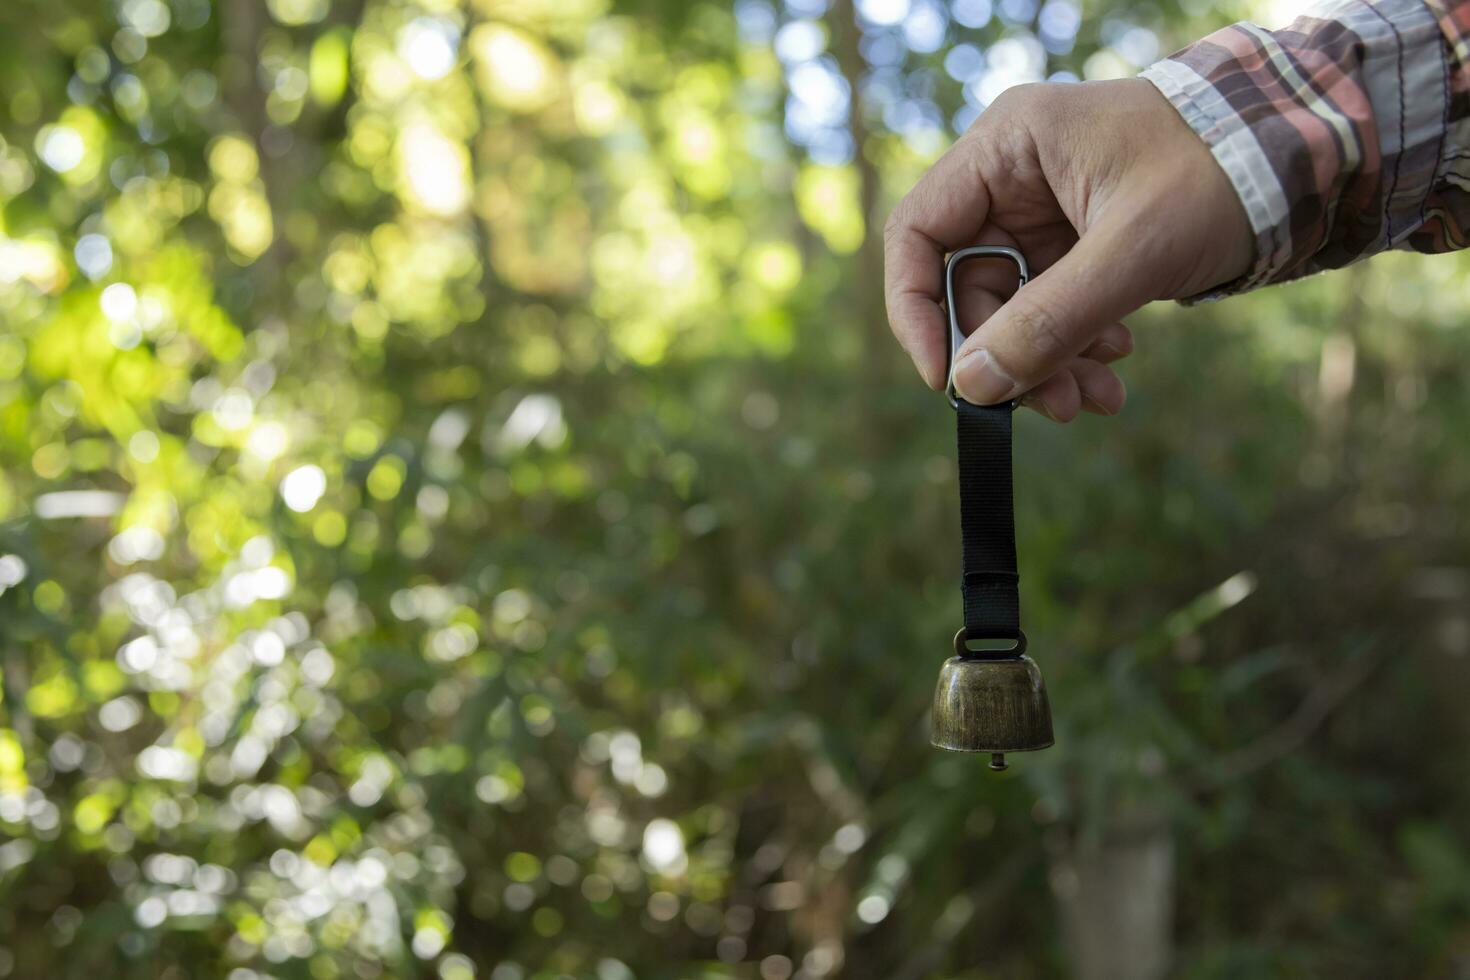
x: 1085, y: 385
x: 1045, y: 245
x: 944, y: 211
x: 1052, y: 320
x: 1113, y: 344
x: 996, y: 275
x: 1101, y: 390
x: 975, y: 305
x: 1042, y: 247
x: 1058, y: 397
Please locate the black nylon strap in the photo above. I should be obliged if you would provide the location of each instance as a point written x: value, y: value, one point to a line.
x: 987, y: 522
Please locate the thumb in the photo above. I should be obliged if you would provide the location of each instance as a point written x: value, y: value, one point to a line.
x: 1051, y: 320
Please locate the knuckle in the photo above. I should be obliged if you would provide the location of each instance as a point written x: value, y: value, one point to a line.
x: 1004, y: 132
x: 1026, y: 91
x: 991, y: 155
x: 1008, y: 100
x: 1027, y: 97
x: 1040, y: 335
x: 895, y: 223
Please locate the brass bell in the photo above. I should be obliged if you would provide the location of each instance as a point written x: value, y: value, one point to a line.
x: 991, y: 701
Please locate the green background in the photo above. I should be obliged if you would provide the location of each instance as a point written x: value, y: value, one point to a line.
x: 462, y: 515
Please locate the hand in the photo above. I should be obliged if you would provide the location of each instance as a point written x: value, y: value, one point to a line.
x: 1111, y: 197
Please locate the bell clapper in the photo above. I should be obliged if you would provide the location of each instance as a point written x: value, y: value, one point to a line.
x: 998, y: 761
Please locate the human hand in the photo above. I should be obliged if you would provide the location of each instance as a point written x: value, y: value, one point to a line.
x: 1113, y: 200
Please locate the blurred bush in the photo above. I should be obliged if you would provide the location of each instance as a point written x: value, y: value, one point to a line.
x: 463, y: 516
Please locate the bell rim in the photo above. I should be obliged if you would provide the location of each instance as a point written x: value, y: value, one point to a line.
x: 1006, y: 751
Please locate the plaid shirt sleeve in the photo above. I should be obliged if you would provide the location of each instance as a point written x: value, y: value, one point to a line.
x: 1346, y: 133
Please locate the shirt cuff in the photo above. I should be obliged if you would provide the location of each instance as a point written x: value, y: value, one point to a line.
x: 1330, y: 130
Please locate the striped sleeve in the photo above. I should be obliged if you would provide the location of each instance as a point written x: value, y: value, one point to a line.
x: 1344, y: 134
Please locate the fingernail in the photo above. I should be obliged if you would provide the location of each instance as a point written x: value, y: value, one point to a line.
x: 1097, y: 406
x: 981, y: 380
x: 1109, y: 350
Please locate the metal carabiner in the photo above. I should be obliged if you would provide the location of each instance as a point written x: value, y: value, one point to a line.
x: 956, y: 336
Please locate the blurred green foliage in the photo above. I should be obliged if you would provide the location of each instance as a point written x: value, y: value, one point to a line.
x: 463, y: 517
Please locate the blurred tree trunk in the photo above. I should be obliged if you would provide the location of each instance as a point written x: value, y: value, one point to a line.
x: 243, y: 26
x: 868, y: 282
x: 1115, y: 899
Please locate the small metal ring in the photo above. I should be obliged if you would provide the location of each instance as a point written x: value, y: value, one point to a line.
x: 956, y: 335
x: 961, y: 638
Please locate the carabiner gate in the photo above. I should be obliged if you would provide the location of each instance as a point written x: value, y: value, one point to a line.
x: 956, y: 336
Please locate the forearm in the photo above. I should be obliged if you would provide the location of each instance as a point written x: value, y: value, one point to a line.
x: 1343, y: 134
